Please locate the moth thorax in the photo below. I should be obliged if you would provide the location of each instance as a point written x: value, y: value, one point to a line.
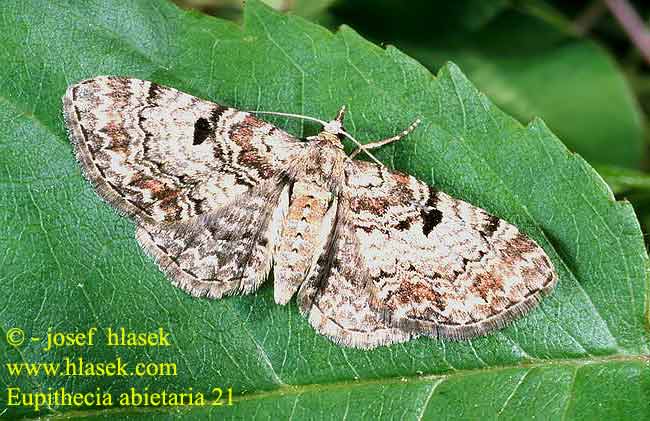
x: 330, y: 138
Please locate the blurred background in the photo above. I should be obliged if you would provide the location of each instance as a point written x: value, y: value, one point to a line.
x: 582, y: 66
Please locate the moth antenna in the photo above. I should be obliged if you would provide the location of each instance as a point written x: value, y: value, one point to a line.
x: 360, y: 145
x: 289, y: 115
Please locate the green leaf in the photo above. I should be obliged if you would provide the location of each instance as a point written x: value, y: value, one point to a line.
x: 70, y: 263
x: 530, y: 66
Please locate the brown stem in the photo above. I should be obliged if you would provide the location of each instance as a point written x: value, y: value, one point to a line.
x: 632, y: 24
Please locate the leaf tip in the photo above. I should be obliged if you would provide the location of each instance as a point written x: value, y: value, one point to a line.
x: 452, y: 69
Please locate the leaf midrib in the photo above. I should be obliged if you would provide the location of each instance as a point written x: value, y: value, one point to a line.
x: 300, y: 389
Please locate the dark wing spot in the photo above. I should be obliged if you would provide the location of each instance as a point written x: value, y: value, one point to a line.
x: 430, y: 214
x: 430, y: 218
x: 201, y: 131
x: 491, y: 226
x: 153, y: 93
x: 404, y: 225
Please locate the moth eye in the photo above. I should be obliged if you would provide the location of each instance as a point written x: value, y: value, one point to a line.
x: 201, y: 131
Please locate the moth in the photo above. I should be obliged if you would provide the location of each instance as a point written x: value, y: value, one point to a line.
x: 220, y: 197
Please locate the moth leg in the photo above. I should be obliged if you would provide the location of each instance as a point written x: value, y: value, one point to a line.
x: 228, y: 251
x: 379, y: 143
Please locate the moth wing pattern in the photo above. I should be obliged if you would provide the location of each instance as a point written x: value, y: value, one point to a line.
x: 335, y: 299
x: 161, y: 155
x: 431, y: 264
x: 224, y: 252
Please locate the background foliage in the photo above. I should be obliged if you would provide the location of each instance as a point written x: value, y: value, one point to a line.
x: 70, y: 263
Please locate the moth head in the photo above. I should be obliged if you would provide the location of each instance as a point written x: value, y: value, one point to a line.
x: 333, y: 130
x: 336, y: 126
